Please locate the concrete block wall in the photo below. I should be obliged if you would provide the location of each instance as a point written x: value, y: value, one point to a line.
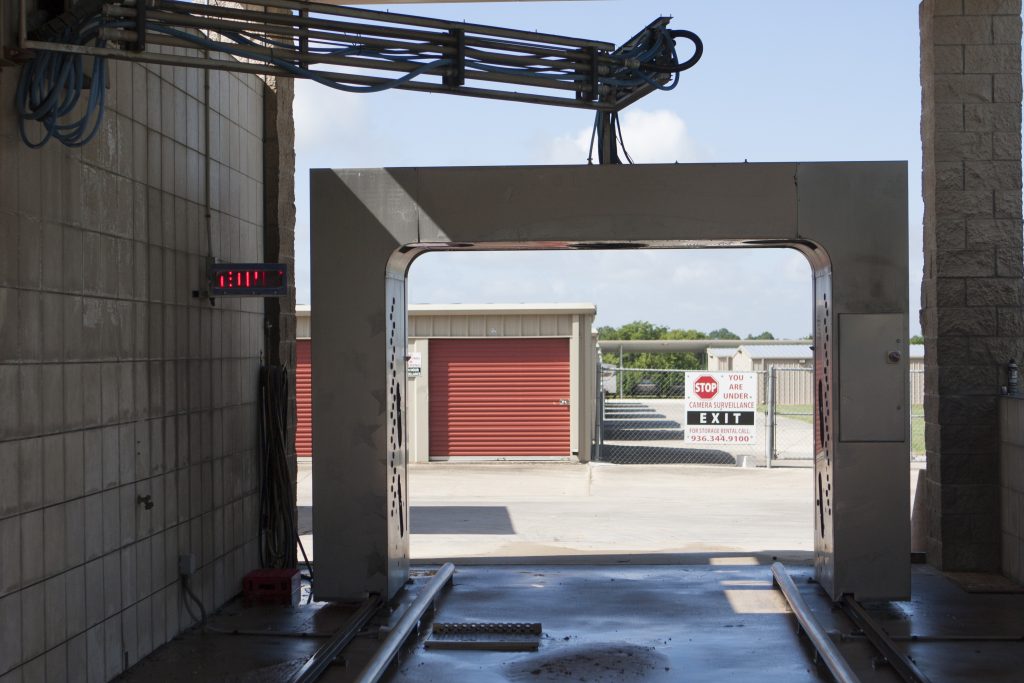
x: 1011, y: 491
x: 115, y: 382
x: 972, y: 315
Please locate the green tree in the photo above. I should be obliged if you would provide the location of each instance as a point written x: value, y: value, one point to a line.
x: 640, y: 329
x: 917, y: 339
x: 764, y: 335
x: 722, y: 333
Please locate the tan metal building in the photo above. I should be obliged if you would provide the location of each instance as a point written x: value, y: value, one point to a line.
x: 485, y: 381
x: 501, y: 381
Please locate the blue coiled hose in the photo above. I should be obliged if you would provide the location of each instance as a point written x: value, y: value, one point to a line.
x: 50, y: 89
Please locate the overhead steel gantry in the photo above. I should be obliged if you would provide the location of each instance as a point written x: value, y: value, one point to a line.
x: 351, y: 49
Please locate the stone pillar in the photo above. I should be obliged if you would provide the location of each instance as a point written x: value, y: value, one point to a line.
x: 972, y: 288
x: 279, y: 212
x: 279, y: 237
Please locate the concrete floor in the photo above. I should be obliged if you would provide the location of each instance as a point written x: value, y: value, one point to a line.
x: 486, y: 513
x: 709, y: 622
x: 637, y: 573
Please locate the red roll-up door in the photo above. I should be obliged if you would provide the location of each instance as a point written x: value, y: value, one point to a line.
x: 499, y: 397
x: 304, y: 397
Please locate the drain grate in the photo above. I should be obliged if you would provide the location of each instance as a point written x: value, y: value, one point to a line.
x: 504, y: 637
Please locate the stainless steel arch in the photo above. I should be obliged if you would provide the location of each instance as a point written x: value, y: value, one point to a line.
x: 848, y: 219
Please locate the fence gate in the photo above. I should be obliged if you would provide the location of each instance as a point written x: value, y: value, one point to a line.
x: 641, y: 419
x: 790, y: 420
x: 643, y: 422
x: 790, y: 414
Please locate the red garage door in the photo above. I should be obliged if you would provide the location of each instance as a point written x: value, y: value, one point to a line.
x: 499, y: 397
x: 304, y: 397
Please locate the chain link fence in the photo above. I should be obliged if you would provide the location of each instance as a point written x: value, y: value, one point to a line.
x: 641, y: 419
x: 790, y: 414
x: 917, y: 452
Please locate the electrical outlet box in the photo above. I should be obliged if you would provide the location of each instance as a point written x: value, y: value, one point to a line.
x: 186, y: 564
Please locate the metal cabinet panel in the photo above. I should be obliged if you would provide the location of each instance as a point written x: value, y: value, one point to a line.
x: 873, y: 377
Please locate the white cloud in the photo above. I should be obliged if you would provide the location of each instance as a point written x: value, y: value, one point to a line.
x: 323, y: 116
x: 659, y: 136
x: 651, y: 137
x: 569, y: 149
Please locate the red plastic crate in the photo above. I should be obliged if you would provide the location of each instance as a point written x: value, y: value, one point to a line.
x: 272, y: 586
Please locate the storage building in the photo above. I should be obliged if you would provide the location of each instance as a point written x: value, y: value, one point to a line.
x: 501, y: 381
x: 486, y: 381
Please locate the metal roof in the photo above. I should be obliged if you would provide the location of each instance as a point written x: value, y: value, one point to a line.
x: 678, y: 345
x: 500, y: 309
x: 786, y: 352
x: 724, y: 352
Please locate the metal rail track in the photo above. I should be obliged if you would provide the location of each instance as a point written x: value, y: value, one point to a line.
x: 877, y: 636
x: 406, y: 626
x: 905, y: 667
x: 329, y: 651
x: 378, y: 665
x: 826, y: 649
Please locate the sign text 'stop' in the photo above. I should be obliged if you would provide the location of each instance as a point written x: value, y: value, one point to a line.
x: 706, y: 387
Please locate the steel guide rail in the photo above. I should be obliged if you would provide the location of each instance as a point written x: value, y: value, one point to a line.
x: 826, y: 649
x: 406, y: 626
x: 905, y: 667
x: 431, y: 55
x: 329, y: 651
x: 877, y: 636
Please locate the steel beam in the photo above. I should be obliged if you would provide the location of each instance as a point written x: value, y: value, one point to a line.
x: 848, y: 219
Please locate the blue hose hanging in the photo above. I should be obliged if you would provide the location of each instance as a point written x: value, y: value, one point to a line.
x: 50, y: 88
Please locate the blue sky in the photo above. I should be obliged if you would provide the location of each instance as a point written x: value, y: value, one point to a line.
x: 782, y: 81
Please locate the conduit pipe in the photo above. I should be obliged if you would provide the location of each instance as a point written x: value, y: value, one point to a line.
x: 828, y: 651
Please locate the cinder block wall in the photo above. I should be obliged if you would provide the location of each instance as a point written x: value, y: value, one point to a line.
x: 114, y: 382
x: 972, y: 289
x: 1011, y: 493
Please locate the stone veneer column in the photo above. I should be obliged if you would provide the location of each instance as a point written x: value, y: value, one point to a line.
x: 971, y: 293
x: 279, y: 235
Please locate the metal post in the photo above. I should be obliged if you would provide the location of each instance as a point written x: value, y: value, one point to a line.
x: 770, y: 419
x: 620, y: 373
x: 608, y: 144
x: 599, y: 411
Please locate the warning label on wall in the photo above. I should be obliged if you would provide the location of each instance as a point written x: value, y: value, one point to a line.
x: 721, y: 408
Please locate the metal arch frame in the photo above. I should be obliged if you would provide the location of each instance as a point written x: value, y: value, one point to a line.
x: 848, y: 219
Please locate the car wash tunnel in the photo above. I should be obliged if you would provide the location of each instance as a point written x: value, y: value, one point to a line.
x: 163, y: 481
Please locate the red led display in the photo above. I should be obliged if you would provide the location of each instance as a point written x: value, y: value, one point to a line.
x: 248, y: 279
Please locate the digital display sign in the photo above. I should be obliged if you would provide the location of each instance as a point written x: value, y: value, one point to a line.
x: 248, y: 279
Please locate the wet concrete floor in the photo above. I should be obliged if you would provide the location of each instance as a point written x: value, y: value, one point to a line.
x: 719, y: 620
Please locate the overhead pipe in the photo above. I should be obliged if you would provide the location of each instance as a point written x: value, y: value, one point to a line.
x: 289, y: 25
x: 425, y: 22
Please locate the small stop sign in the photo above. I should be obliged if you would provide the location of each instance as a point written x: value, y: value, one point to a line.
x: 706, y: 387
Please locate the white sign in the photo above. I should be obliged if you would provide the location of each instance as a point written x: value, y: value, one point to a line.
x: 720, y: 408
x: 414, y: 366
